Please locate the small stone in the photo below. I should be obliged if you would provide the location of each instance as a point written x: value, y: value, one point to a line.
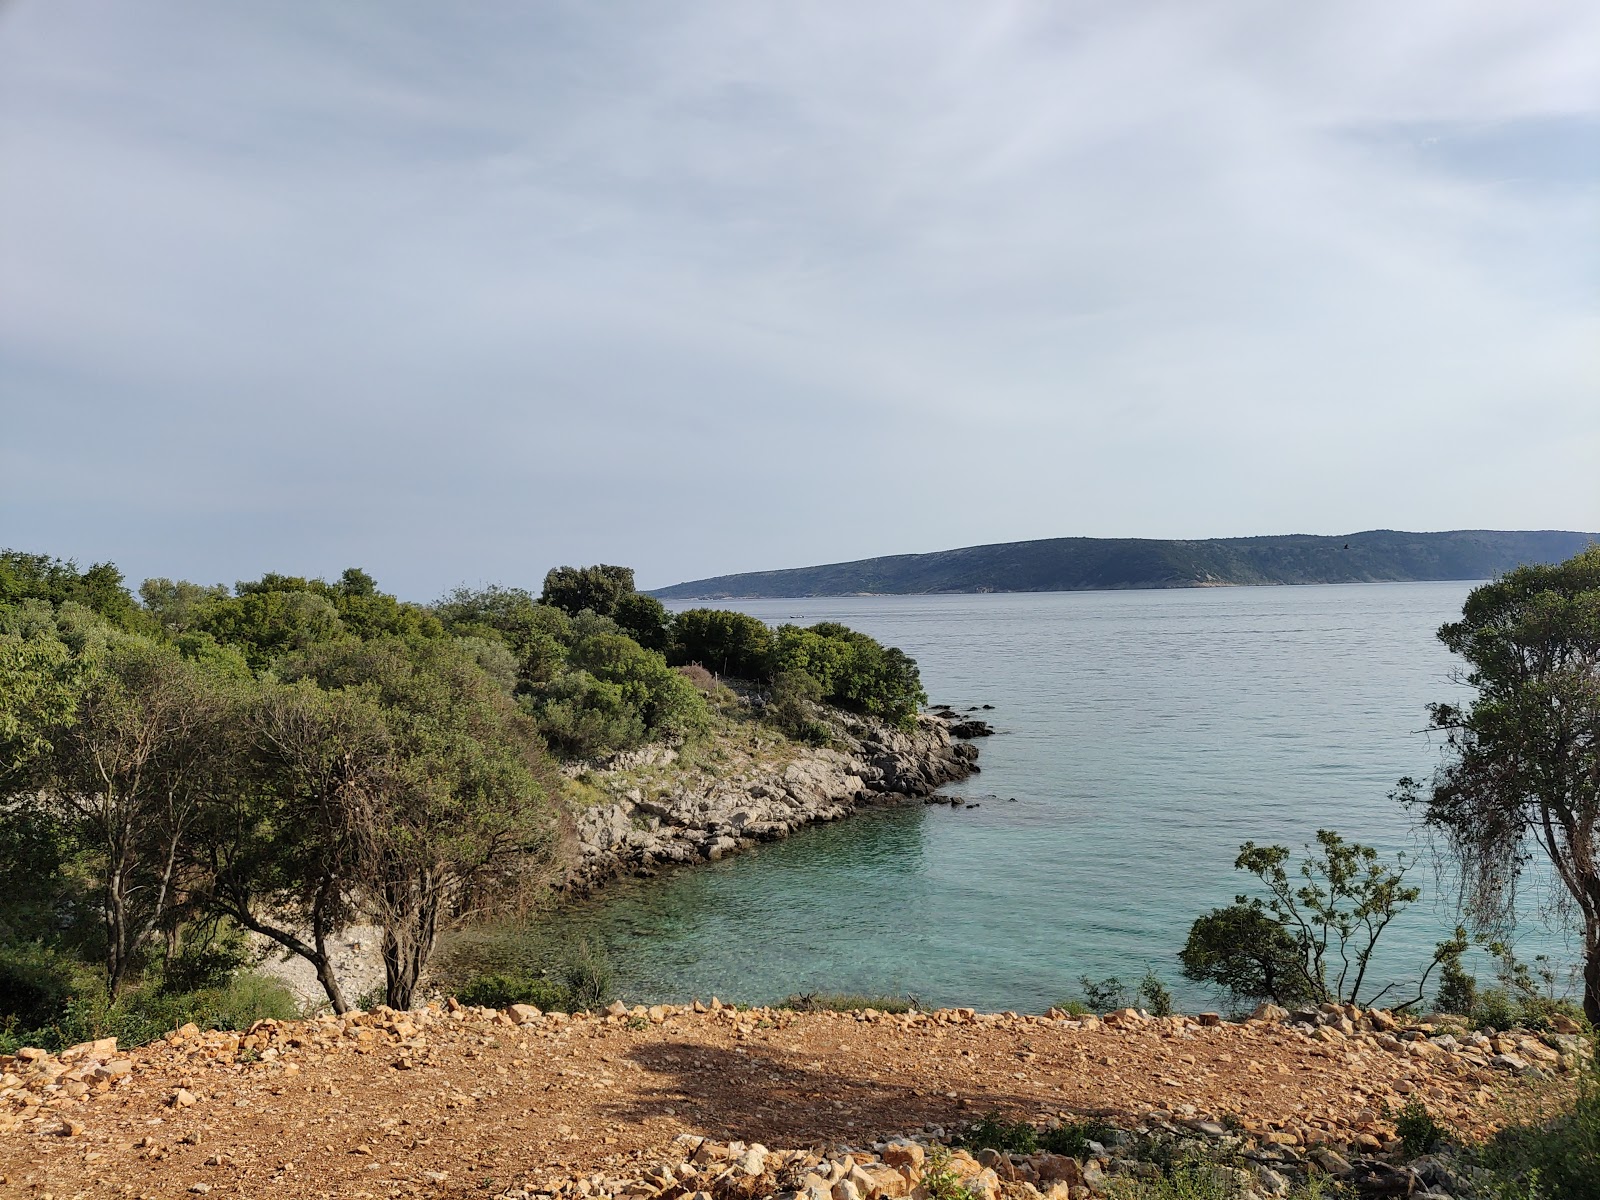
x: 616, y: 1009
x: 1268, y: 1011
x: 199, y: 1189
x: 183, y: 1098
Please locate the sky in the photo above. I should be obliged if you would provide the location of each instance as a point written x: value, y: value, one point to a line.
x: 457, y: 293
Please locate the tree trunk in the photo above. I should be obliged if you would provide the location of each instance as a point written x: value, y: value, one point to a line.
x: 1591, y: 980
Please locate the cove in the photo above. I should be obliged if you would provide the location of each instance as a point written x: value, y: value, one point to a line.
x: 1145, y: 735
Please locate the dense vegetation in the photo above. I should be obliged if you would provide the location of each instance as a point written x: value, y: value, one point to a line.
x: 1080, y: 564
x: 286, y: 757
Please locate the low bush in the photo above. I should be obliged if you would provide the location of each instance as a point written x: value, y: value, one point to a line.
x: 1417, y: 1129
x: 1073, y: 1140
x: 144, y: 1014
x: 849, y: 1002
x: 501, y: 988
x: 993, y: 1132
x: 1552, y: 1156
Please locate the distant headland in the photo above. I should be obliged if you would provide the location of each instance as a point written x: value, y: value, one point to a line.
x: 1095, y: 564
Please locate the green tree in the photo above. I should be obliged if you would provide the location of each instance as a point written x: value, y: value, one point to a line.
x: 599, y: 589
x: 1246, y: 953
x: 1521, y: 773
x: 727, y: 642
x: 464, y: 816
x: 133, y: 767
x: 283, y: 846
x: 57, y: 581
x: 1333, y: 910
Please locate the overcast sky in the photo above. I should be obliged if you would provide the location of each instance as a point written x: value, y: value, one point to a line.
x: 460, y: 292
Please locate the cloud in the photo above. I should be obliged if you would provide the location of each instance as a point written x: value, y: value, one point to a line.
x: 463, y: 294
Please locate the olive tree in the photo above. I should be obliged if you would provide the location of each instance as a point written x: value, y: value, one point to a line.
x: 1520, y: 780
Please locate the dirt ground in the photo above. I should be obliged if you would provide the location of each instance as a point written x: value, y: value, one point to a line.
x: 451, y: 1103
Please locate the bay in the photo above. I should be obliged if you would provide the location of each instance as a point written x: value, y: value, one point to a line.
x: 1144, y: 736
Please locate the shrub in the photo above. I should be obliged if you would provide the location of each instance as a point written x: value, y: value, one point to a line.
x: 499, y: 989
x: 146, y: 1013
x: 587, y: 976
x: 1245, y: 953
x: 1157, y: 1000
x: 791, y: 705
x: 849, y: 1002
x: 584, y: 717
x: 1552, y: 1156
x: 729, y: 643
x: 993, y: 1132
x: 1103, y: 995
x: 1417, y: 1129
x: 1073, y: 1140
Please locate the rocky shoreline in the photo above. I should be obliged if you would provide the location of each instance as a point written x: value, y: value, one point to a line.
x: 653, y: 815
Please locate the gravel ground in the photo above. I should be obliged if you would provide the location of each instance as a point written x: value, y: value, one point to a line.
x: 434, y: 1104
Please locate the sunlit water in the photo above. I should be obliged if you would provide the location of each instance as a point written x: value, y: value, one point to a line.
x: 1145, y: 735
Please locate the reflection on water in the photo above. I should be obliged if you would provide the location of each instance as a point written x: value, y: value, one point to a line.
x: 1146, y: 735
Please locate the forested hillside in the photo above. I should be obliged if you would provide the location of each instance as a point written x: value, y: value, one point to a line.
x: 1087, y: 564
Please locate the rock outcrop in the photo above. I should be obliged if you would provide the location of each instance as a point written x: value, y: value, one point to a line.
x: 680, y: 816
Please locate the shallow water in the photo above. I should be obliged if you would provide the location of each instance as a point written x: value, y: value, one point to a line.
x: 1145, y: 735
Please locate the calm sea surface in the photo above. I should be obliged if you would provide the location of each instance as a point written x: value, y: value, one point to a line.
x: 1145, y: 735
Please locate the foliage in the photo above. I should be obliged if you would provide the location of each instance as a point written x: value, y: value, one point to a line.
x: 143, y: 1014
x: 57, y: 581
x: 1157, y: 999
x: 584, y: 717
x: 939, y: 1181
x: 1521, y: 770
x: 599, y: 589
x: 1552, y: 1156
x: 502, y: 988
x: 1417, y: 1129
x: 792, y: 706
x: 1103, y: 995
x: 993, y: 1132
x: 587, y: 976
x: 852, y: 669
x: 1073, y: 1139
x: 1247, y: 954
x: 849, y: 1002
x: 727, y: 642
x: 1333, y: 913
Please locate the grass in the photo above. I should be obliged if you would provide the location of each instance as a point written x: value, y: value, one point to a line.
x: 144, y: 1014
x: 848, y: 1002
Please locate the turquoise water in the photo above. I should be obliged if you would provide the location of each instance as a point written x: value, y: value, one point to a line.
x: 1145, y: 735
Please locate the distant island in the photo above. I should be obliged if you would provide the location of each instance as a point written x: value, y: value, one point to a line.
x: 1096, y: 564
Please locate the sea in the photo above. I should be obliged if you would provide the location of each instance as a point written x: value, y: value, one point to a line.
x: 1143, y: 736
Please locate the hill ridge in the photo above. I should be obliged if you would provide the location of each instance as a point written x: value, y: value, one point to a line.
x: 1108, y: 564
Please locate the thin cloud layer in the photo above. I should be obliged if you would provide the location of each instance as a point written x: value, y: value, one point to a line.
x: 705, y: 288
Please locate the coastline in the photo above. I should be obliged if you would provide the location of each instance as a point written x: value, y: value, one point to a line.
x: 660, y: 817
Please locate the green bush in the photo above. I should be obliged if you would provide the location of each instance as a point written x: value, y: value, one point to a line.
x: 849, y: 1002
x: 1073, y: 1140
x: 1419, y: 1132
x: 1552, y: 1157
x: 587, y: 976
x: 146, y: 1013
x: 993, y: 1132
x: 584, y: 717
x: 499, y: 989
x: 729, y: 643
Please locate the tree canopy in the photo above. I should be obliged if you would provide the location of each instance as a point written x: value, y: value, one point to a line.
x: 1520, y: 779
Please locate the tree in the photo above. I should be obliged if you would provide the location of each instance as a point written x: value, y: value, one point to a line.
x: 1521, y: 770
x: 462, y: 816
x: 729, y: 643
x: 1328, y: 920
x: 599, y: 589
x: 1247, y: 953
x: 284, y: 846
x: 133, y: 766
